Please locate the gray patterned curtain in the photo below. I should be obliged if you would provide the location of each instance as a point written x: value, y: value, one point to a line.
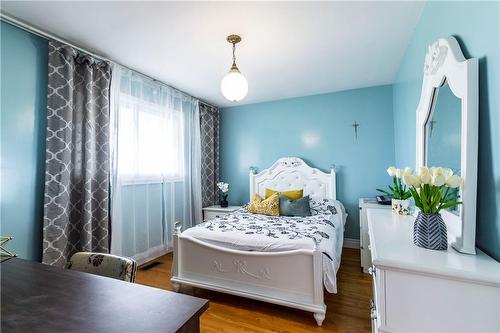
x: 77, y: 155
x: 209, y: 132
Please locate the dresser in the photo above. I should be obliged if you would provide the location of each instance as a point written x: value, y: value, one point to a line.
x: 364, y: 205
x: 419, y: 290
x: 216, y: 211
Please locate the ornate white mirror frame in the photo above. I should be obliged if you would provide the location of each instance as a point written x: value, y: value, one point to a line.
x: 444, y: 61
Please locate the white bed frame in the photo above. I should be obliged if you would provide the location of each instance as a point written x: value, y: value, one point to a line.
x: 290, y: 278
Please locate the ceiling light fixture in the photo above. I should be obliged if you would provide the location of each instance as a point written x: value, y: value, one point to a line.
x: 234, y: 86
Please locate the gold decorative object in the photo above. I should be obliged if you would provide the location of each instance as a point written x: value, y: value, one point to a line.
x: 4, y: 253
x: 233, y: 39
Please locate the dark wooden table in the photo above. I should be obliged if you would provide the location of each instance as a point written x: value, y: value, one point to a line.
x: 42, y: 298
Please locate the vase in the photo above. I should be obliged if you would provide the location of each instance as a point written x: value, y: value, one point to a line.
x: 401, y: 207
x: 429, y: 232
x: 223, y: 202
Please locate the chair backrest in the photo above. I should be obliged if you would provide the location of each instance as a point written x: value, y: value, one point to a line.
x: 120, y: 268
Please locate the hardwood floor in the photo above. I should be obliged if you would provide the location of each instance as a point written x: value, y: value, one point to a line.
x: 347, y: 311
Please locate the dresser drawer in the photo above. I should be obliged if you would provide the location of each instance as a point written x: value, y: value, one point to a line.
x: 373, y: 315
x: 216, y: 211
x: 378, y: 306
x: 212, y: 215
x: 375, y: 285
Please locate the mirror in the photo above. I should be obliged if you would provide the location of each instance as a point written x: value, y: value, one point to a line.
x: 447, y: 131
x: 443, y: 132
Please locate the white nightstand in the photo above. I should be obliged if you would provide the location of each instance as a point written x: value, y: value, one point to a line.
x: 364, y: 240
x: 212, y: 212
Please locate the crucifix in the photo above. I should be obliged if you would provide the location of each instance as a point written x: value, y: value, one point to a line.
x: 432, y: 124
x: 356, y: 125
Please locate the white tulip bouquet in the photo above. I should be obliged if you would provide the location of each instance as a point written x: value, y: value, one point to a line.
x: 398, y: 191
x: 223, y: 187
x: 430, y: 188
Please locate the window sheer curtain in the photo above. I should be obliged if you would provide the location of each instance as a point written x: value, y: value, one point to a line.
x: 155, y: 165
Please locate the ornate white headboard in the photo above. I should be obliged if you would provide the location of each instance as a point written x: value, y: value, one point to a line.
x: 292, y: 173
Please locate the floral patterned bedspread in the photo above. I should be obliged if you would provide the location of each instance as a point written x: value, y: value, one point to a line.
x: 245, y: 231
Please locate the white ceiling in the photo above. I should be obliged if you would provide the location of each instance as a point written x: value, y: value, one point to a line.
x: 289, y: 49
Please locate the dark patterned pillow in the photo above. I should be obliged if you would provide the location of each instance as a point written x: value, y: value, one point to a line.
x: 299, y: 207
x: 322, y: 206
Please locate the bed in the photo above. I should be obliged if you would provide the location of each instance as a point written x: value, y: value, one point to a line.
x: 281, y: 260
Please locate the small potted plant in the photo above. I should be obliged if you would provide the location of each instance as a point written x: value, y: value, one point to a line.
x: 398, y: 191
x: 432, y: 189
x: 224, y: 188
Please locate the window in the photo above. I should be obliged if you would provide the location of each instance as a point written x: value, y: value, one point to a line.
x: 150, y: 140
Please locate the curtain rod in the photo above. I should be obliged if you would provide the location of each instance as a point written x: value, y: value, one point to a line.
x: 48, y: 36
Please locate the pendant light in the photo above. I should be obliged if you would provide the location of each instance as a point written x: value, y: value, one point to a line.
x: 234, y: 86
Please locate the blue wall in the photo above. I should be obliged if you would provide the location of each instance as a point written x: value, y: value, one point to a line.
x: 317, y: 129
x: 477, y: 27
x: 23, y: 103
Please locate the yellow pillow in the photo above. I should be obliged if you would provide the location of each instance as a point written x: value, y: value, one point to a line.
x: 269, y: 206
x: 292, y: 195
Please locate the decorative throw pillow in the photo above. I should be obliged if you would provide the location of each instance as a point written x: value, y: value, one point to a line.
x: 299, y: 207
x: 292, y: 195
x: 322, y: 206
x: 269, y: 206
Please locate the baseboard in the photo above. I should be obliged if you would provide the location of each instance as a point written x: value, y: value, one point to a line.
x: 151, y: 254
x: 351, y: 243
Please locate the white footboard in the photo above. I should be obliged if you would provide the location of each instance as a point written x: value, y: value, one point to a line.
x: 289, y: 278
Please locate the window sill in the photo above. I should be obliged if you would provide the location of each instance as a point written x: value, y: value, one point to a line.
x: 130, y: 182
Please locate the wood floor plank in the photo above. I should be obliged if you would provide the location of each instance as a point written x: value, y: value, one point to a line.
x: 347, y: 311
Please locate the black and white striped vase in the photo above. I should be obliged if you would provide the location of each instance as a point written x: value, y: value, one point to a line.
x: 429, y: 232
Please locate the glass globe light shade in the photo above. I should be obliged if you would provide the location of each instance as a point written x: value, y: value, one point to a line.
x: 234, y: 86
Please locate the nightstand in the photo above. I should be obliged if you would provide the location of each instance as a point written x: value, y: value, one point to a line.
x: 215, y: 211
x: 364, y: 240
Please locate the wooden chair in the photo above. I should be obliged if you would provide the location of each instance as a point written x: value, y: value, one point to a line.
x: 116, y: 267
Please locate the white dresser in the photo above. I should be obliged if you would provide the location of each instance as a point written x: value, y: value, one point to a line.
x: 419, y: 290
x: 364, y: 205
